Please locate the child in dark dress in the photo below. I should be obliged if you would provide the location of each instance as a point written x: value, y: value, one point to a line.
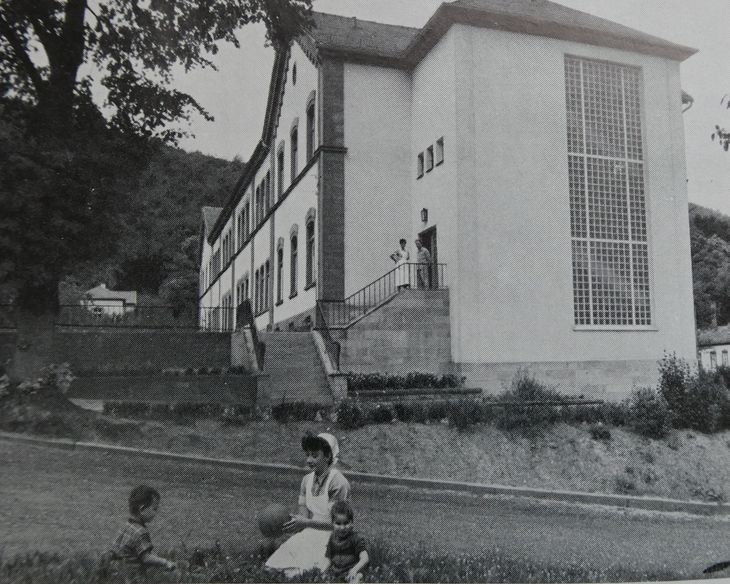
x: 346, y: 550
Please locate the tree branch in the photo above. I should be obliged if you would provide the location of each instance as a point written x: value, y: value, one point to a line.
x: 22, y: 55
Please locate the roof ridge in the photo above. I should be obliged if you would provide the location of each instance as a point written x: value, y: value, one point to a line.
x: 379, y: 23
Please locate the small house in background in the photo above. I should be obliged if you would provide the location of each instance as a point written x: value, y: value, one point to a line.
x: 104, y: 302
x: 713, y: 347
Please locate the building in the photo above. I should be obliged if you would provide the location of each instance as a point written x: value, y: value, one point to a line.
x: 537, y: 150
x: 104, y: 302
x: 713, y: 346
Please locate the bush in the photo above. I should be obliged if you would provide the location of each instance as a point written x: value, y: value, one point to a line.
x: 649, y: 413
x: 380, y: 381
x: 698, y: 401
x: 379, y: 414
x: 297, y: 412
x: 350, y: 415
x: 464, y: 413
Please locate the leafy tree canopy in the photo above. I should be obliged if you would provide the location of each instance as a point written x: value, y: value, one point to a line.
x: 62, y: 162
x: 723, y: 135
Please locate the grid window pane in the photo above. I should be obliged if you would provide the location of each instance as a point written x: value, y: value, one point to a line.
x: 607, y: 196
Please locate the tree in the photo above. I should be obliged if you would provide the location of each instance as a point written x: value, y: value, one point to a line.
x: 723, y: 135
x: 57, y: 162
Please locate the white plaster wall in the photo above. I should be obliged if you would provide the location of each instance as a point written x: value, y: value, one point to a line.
x: 704, y: 355
x: 434, y: 116
x: 294, y: 105
x: 293, y: 211
x: 514, y: 297
x: 378, y: 170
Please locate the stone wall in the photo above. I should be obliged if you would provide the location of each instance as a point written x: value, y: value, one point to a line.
x: 607, y: 380
x: 411, y: 332
x: 129, y: 350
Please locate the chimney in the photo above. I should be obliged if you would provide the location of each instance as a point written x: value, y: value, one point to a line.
x: 354, y: 22
x: 713, y: 312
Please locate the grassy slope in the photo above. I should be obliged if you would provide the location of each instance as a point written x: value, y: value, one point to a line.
x: 685, y: 466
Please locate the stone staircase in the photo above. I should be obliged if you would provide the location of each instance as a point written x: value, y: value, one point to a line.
x: 294, y: 369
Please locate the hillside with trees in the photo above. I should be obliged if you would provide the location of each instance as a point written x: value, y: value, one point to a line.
x: 710, y: 240
x: 157, y: 228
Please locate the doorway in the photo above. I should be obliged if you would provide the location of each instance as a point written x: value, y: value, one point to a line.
x: 428, y: 239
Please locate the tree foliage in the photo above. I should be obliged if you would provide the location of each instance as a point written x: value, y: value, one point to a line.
x: 723, y: 135
x: 710, y: 242
x: 62, y: 161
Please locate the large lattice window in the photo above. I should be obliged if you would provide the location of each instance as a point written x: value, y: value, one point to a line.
x: 607, y: 200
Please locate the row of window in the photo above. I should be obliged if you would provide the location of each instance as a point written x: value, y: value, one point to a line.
x: 263, y: 198
x: 713, y: 359
x: 430, y: 158
x: 262, y: 284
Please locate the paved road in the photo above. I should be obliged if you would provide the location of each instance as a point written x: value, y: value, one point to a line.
x: 62, y: 500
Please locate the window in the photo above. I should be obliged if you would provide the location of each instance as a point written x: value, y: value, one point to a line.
x: 294, y: 154
x: 607, y: 199
x: 280, y: 170
x: 267, y: 284
x: 310, y: 131
x: 439, y: 151
x: 257, y: 204
x: 240, y: 230
x: 419, y: 165
x: 294, y: 74
x: 310, y: 253
x: 279, y: 274
x: 713, y: 360
x: 247, y: 219
x: 429, y: 159
x: 256, y: 292
x: 267, y: 191
x: 293, y: 270
x: 724, y: 358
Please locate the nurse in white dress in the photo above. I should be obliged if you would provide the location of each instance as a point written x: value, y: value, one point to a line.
x: 312, y: 525
x: 401, y: 257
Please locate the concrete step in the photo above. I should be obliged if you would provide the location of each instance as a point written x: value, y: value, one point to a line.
x: 293, y: 365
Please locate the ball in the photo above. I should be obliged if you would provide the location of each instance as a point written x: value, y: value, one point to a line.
x: 272, y: 519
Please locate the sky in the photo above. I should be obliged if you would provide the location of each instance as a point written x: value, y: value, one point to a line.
x: 236, y: 94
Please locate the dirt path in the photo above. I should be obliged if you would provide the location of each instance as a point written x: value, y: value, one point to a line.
x: 74, y: 501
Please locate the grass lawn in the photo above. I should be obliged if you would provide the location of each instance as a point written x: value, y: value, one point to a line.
x: 687, y: 465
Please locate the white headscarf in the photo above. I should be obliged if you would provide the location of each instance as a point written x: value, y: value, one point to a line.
x: 334, y: 446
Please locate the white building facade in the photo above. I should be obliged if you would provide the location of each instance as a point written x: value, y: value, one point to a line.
x: 538, y: 151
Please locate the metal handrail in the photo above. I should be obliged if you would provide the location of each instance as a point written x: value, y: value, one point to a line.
x: 244, y: 316
x: 413, y: 275
x: 331, y: 346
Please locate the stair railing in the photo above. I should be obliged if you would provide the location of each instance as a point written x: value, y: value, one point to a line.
x: 244, y: 316
x: 331, y: 346
x: 412, y: 275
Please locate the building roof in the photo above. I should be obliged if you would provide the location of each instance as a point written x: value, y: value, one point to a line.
x: 405, y: 46
x: 344, y: 33
x: 101, y: 292
x: 210, y: 216
x: 715, y: 336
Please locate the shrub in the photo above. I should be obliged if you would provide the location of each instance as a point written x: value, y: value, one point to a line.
x: 649, y: 413
x: 349, y: 415
x: 600, y: 432
x: 380, y: 381
x: 379, y: 414
x: 525, y: 387
x: 464, y: 413
x: 296, y: 412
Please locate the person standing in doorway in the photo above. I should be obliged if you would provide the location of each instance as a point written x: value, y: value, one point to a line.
x: 423, y: 272
x: 401, y: 257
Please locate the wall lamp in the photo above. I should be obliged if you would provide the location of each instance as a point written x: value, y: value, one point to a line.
x: 424, y: 215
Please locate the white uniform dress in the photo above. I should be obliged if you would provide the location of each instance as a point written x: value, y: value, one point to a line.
x: 401, y: 272
x: 305, y: 550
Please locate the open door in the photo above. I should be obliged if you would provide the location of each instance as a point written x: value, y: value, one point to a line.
x: 428, y: 238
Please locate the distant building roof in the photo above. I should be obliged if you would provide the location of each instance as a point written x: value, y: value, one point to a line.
x: 714, y: 336
x: 101, y: 292
x: 210, y: 216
